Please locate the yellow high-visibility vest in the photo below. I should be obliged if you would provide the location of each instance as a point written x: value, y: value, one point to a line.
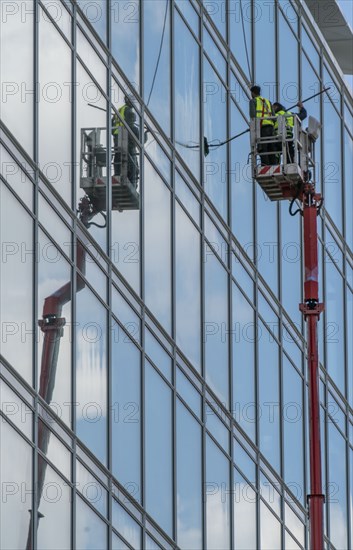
x: 289, y: 121
x: 264, y: 109
x: 117, y: 122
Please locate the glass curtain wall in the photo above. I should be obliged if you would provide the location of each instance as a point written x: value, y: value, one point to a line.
x: 153, y: 378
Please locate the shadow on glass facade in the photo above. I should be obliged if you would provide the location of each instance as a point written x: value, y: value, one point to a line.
x: 153, y: 373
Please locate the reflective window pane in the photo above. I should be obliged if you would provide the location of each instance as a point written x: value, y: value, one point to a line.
x: 158, y: 420
x: 188, y: 301
x: 16, y: 492
x: 91, y: 372
x: 126, y: 415
x: 189, y: 476
x: 91, y: 531
x: 217, y: 498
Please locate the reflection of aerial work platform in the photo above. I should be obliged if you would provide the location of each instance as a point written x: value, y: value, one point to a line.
x: 292, y: 155
x: 93, y: 170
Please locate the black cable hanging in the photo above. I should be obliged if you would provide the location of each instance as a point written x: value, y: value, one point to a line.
x: 245, y: 41
x: 159, y: 53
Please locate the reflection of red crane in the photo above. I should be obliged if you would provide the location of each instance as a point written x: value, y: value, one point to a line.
x: 291, y: 179
x: 124, y: 197
x: 52, y: 326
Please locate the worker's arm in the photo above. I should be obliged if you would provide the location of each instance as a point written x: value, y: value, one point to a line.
x: 252, y: 108
x: 302, y: 111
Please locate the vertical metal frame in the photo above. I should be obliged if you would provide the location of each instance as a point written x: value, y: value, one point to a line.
x: 35, y: 495
x: 73, y: 257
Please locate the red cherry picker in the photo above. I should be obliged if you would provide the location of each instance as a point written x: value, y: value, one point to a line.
x: 293, y: 178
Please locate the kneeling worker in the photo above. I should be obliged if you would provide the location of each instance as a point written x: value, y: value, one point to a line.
x: 280, y: 110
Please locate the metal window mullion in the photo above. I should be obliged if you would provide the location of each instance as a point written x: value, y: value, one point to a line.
x: 202, y: 297
x: 73, y: 271
x: 142, y: 381
x: 109, y: 282
x: 35, y: 356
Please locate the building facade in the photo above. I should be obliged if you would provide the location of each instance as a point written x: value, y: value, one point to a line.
x: 172, y: 410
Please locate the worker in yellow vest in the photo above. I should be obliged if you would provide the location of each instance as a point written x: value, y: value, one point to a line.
x: 128, y: 115
x: 260, y: 107
x: 280, y: 110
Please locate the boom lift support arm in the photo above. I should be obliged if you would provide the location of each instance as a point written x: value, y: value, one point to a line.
x: 311, y: 309
x: 293, y: 178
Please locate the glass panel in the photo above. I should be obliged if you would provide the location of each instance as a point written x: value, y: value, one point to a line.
x: 16, y: 59
x: 244, y: 514
x: 16, y: 488
x: 216, y: 427
x: 91, y: 372
x: 337, y: 488
x: 215, y: 55
x: 267, y: 239
x: 54, y: 450
x: 291, y: 264
x: 189, y: 480
x: 15, y: 409
x: 216, y: 335
x: 125, y: 22
x: 244, y: 406
x: 91, y: 489
x: 187, y: 198
x: 294, y: 524
x: 244, y: 462
x: 269, y: 397
x: 60, y: 15
x: 269, y: 493
x: 190, y: 15
x: 187, y: 96
x: 242, y: 188
x: 96, y: 13
x: 293, y: 414
x: 217, y: 498
x: 16, y: 287
x: 334, y: 333
x: 127, y: 527
x: 288, y: 64
x: 91, y: 532
x: 349, y: 329
x: 158, y: 355
x: 270, y: 529
x: 15, y: 177
x: 217, y: 12
x: 118, y: 544
x: 215, y: 128
x: 129, y: 319
x: 157, y: 60
x: 157, y: 246
x: 310, y: 49
x: 188, y: 392
x: 55, y: 105
x: 348, y: 174
x: 264, y: 17
x: 333, y: 165
x: 126, y: 419
x: 159, y: 480
x: 240, y: 18
x: 54, y: 525
x: 188, y: 275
